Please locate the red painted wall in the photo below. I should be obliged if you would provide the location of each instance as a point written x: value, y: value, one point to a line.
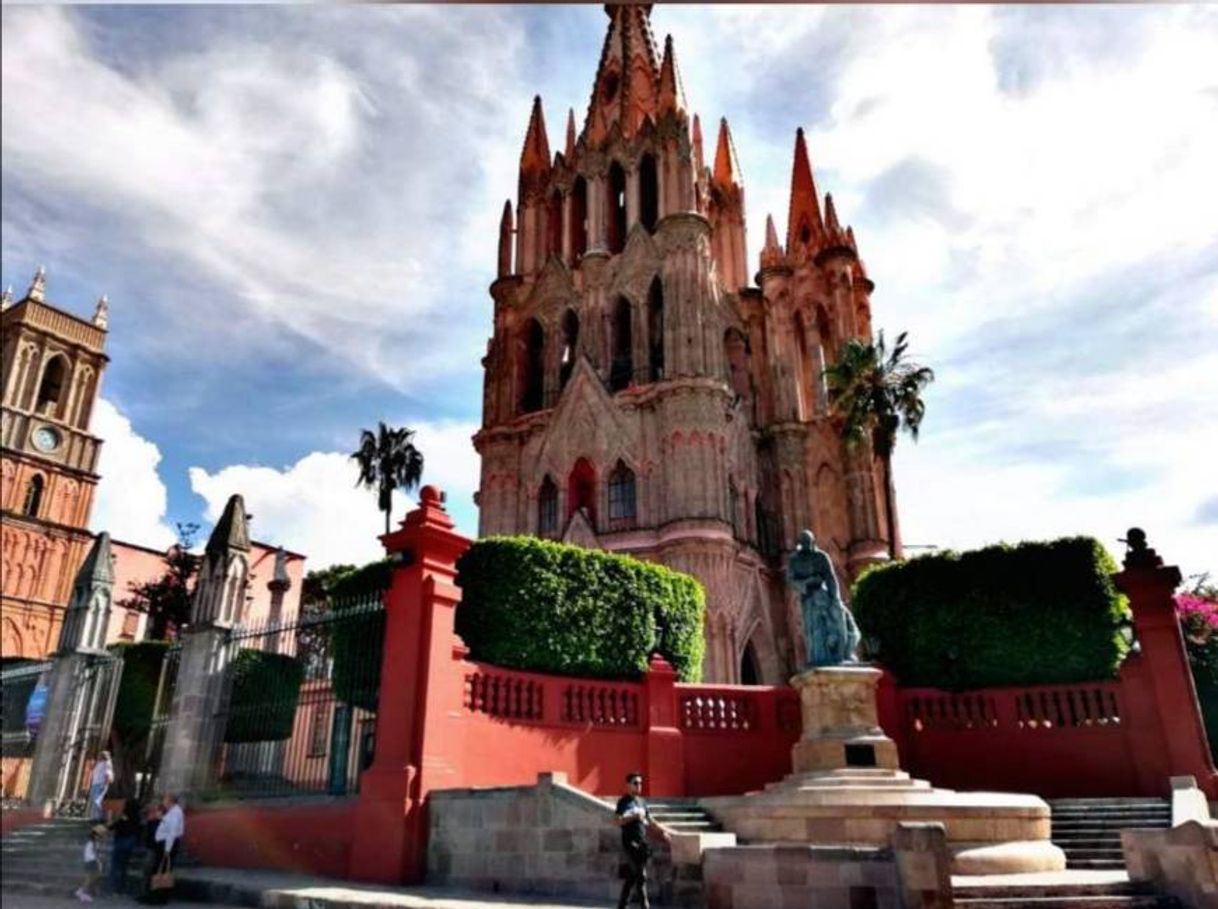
x: 15, y: 818
x: 310, y: 838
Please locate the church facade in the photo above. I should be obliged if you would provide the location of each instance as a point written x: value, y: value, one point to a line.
x: 642, y: 394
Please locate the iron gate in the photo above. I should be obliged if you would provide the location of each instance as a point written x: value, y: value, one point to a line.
x: 94, y: 695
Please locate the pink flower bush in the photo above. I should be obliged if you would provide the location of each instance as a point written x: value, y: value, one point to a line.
x: 1198, y: 616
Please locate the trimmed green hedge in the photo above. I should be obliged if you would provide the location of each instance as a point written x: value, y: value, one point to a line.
x: 1030, y: 614
x: 537, y: 605
x: 266, y: 689
x: 137, y: 688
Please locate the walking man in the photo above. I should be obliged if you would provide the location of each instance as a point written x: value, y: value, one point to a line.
x: 634, y: 817
x: 103, y: 776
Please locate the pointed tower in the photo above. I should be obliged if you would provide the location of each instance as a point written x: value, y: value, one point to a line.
x: 506, y: 233
x: 88, y: 614
x: 804, y: 226
x: 219, y: 597
x: 625, y: 92
x: 671, y: 95
x: 51, y: 364
x: 726, y: 213
x: 535, y: 168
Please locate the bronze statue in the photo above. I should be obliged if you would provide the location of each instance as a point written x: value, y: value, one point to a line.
x: 829, y: 629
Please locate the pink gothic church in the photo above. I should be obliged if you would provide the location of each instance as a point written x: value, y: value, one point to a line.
x: 642, y: 394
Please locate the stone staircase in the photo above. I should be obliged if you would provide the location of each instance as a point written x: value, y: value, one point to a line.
x: 47, y: 858
x: 683, y: 816
x: 1089, y: 830
x: 1060, y: 894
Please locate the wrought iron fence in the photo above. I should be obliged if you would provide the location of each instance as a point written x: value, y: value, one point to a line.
x: 299, y: 715
x: 162, y: 708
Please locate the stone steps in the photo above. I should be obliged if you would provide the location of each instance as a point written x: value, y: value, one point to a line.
x: 1089, y: 830
x: 1119, y: 894
x: 684, y: 816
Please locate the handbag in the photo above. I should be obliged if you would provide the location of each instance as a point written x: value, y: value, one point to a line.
x: 163, y: 878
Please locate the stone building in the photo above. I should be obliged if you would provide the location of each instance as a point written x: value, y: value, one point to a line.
x: 51, y: 365
x: 641, y: 394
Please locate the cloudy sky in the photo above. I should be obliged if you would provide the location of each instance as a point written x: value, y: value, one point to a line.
x: 294, y: 213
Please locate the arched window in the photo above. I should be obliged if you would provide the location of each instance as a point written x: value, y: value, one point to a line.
x: 547, y: 508
x: 33, y: 496
x: 579, y: 218
x: 765, y: 535
x: 649, y: 192
x: 532, y: 377
x: 655, y: 329
x: 805, y: 233
x: 51, y: 389
x: 616, y: 188
x: 733, y: 505
x: 621, y: 369
x: 581, y: 490
x: 749, y: 674
x: 621, y: 497
x: 570, y: 346
x: 825, y: 340
x: 736, y: 355
x: 554, y: 224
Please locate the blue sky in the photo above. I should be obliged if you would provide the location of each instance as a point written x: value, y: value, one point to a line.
x: 294, y: 213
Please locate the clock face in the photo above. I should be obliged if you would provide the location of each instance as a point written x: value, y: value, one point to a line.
x: 46, y: 439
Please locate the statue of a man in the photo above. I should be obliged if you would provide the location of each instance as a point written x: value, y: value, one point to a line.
x: 829, y: 629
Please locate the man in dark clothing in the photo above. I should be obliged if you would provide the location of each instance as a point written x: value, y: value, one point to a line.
x: 634, y: 817
x: 126, y: 830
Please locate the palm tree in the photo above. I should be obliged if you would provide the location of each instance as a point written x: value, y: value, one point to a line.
x: 387, y: 461
x: 875, y: 393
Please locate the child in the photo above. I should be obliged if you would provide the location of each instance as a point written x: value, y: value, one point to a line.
x: 93, y: 866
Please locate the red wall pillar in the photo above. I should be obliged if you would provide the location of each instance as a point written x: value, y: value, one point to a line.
x: 412, y: 740
x: 665, y: 749
x: 1161, y: 675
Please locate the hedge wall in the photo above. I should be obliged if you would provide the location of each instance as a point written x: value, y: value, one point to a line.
x: 266, y: 688
x: 1035, y: 613
x: 533, y: 604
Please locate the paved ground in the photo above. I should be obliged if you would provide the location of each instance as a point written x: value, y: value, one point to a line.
x: 1074, y: 876
x: 13, y: 900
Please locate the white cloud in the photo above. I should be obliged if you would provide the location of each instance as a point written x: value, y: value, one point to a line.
x: 313, y: 506
x: 131, y: 498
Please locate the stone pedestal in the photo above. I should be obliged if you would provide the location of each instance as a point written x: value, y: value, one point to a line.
x: 847, y: 788
x: 840, y: 728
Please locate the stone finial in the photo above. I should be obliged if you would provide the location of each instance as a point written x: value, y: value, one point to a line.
x: 672, y: 97
x: 38, y: 286
x: 88, y: 614
x: 7, y: 299
x: 803, y: 213
x: 535, y: 156
x: 505, y: 239
x: 831, y: 222
x: 699, y: 160
x: 101, y: 315
x: 727, y: 169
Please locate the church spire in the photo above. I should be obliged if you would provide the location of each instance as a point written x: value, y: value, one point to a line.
x: 625, y: 91
x: 672, y: 98
x: 727, y: 169
x: 803, y: 217
x: 535, y: 156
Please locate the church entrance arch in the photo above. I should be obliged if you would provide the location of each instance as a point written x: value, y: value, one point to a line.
x: 750, y: 671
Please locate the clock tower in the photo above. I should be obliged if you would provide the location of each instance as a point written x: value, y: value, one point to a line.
x: 51, y: 365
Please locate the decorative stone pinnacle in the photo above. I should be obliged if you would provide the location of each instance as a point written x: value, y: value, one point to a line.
x: 37, y: 291
x: 7, y: 299
x: 101, y: 316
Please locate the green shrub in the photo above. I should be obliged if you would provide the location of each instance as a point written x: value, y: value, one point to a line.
x: 358, y: 642
x: 266, y: 689
x: 1035, y: 613
x: 533, y: 604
